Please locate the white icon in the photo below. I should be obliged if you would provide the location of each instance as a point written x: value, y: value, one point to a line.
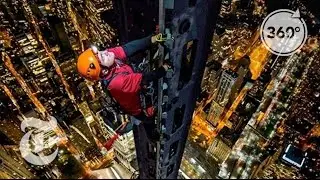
x: 36, y: 140
x: 284, y: 32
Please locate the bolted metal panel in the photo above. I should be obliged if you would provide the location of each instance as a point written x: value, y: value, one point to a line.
x: 192, y: 28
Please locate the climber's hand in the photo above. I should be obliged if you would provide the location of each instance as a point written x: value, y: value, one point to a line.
x: 166, y: 66
x: 159, y: 38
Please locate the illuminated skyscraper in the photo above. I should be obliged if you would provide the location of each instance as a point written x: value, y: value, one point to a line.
x: 226, y: 82
x: 214, y: 113
x: 123, y: 147
x: 218, y: 150
x: 124, y: 151
x: 192, y: 167
x: 211, y: 75
x: 224, y: 88
x: 239, y: 83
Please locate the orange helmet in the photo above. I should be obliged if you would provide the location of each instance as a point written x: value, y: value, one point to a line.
x: 88, y: 65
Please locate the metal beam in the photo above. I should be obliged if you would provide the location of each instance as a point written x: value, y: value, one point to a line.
x: 192, y: 27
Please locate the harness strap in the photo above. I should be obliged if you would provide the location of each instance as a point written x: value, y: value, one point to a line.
x: 143, y: 95
x: 106, y: 83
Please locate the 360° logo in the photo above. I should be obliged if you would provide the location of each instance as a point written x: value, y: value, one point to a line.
x: 283, y: 32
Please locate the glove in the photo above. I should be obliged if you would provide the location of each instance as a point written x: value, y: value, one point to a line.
x: 159, y: 38
x: 166, y: 66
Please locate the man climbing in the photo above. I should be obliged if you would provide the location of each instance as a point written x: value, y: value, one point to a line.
x: 122, y: 83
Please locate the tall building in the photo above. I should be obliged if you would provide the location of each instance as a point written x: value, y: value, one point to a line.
x: 124, y: 151
x: 211, y: 75
x: 192, y: 165
x: 226, y: 82
x: 214, y: 113
x: 218, y: 150
x: 239, y: 83
x: 123, y: 147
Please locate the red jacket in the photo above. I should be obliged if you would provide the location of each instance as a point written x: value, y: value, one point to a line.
x: 125, y: 86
